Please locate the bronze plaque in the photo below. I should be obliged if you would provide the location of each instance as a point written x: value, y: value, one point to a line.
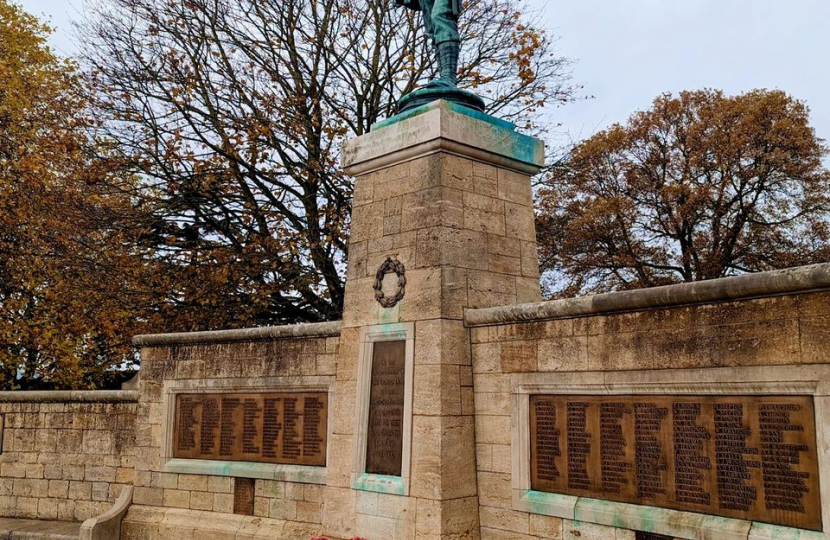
x: 649, y: 536
x: 384, y: 447
x: 747, y: 457
x: 288, y: 428
x: 243, y: 496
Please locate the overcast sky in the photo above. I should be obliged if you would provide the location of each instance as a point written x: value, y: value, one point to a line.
x: 629, y: 51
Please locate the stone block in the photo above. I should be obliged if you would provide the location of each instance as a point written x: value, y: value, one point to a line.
x: 815, y: 340
x: 483, y: 221
x: 164, y: 480
x: 313, y: 493
x: 515, y: 187
x: 458, y: 172
x: 577, y: 530
x: 528, y: 290
x: 340, y: 459
x: 443, y: 457
x: 25, y: 507
x: 193, y: 482
x: 220, y: 484
x: 437, y: 390
x: 487, y: 289
x: 518, y: 356
x: 382, y: 527
x: 493, y: 404
x: 485, y: 179
x: 343, y: 422
x: 491, y: 383
x: 519, y: 222
x: 125, y: 475
x: 176, y: 498
x: 563, y: 354
x: 367, y: 503
x: 492, y: 429
x: 504, y: 519
x: 498, y: 534
x: 30, y: 488
x: 339, y: 510
x: 148, y: 496
x: 502, y: 458
x: 100, y: 474
x: 47, y: 509
x: 283, y: 509
x: 423, y: 295
x: 468, y: 402
x: 441, y: 341
x: 223, y: 502
x: 530, y: 260
x: 80, y: 491
x: 13, y: 470
x: 431, y: 207
x: 495, y: 489
x: 396, y: 507
x: 547, y: 527
x: 308, y: 512
x: 454, y: 292
x: 502, y: 264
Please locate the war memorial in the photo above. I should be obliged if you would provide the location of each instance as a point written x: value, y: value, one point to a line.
x: 451, y: 402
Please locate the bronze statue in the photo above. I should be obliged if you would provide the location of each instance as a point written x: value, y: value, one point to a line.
x: 441, y: 26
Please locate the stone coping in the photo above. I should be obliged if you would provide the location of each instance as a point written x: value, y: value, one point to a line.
x: 445, y: 127
x: 69, y: 396
x: 800, y: 279
x: 243, y: 334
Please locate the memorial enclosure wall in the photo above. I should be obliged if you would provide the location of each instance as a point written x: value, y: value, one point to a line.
x: 65, y: 455
x: 659, y: 419
x: 209, y: 408
x: 450, y: 403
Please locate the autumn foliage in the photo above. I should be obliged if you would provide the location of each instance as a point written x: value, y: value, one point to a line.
x: 65, y: 314
x: 701, y: 186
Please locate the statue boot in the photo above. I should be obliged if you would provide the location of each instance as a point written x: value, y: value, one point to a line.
x: 447, y: 65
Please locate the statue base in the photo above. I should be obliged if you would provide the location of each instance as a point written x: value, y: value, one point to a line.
x: 428, y: 94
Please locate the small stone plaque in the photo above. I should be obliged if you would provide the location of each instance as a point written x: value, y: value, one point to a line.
x: 287, y: 428
x: 743, y: 457
x: 384, y: 450
x: 243, y: 496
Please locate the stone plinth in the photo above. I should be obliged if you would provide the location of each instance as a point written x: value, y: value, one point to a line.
x: 446, y: 191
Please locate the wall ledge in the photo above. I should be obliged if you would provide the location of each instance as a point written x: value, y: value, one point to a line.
x: 800, y: 279
x: 243, y: 334
x: 70, y: 396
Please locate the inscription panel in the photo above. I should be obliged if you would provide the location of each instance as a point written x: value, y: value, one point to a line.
x: 745, y: 457
x: 384, y: 446
x: 283, y: 428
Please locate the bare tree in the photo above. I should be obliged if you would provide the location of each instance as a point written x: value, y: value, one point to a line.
x: 233, y: 112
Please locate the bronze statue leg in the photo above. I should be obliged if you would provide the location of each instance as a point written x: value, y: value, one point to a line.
x: 426, y: 12
x: 444, y: 21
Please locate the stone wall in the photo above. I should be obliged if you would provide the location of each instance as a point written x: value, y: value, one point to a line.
x: 66, y: 455
x: 171, y: 504
x: 695, y: 340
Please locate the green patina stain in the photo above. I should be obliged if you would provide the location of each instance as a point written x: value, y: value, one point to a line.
x: 777, y: 532
x: 515, y: 145
x: 379, y: 483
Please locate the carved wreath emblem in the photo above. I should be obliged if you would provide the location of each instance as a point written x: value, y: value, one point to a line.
x: 388, y: 267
